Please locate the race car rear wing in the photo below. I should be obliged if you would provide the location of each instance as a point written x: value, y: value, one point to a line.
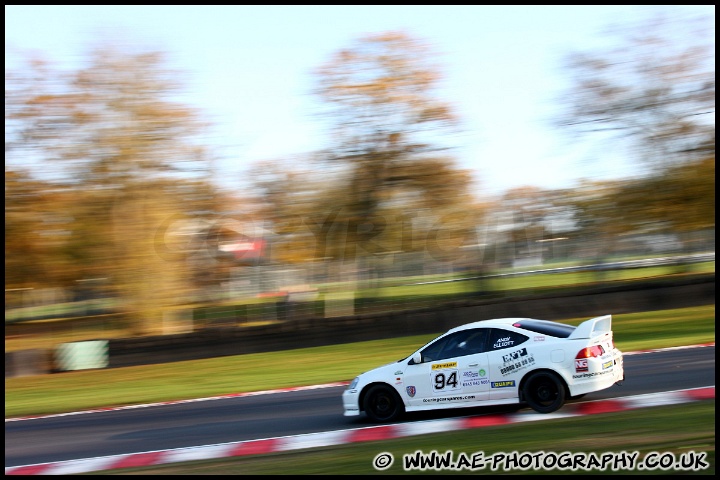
x: 594, y: 327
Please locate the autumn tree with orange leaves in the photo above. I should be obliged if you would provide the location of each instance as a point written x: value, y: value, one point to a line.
x: 120, y: 156
x: 391, y: 140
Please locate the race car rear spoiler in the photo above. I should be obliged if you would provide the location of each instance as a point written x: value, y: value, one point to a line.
x: 593, y: 328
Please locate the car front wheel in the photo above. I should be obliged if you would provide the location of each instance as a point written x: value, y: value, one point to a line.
x: 544, y: 392
x: 383, y: 404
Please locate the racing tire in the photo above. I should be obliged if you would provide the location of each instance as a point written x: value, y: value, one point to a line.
x: 383, y: 404
x: 544, y: 392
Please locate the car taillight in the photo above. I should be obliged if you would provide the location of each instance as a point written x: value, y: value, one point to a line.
x: 589, y: 352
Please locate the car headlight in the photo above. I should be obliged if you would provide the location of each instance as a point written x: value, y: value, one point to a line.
x: 354, y: 383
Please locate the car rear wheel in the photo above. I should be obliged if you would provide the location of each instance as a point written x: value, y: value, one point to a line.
x: 544, y: 392
x: 383, y: 404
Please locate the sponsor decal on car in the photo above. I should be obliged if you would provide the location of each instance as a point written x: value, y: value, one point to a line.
x: 503, y: 342
x: 472, y: 378
x: 517, y: 360
x: 512, y: 356
x: 411, y: 390
x: 503, y: 384
x: 440, y: 366
x: 581, y: 365
x: 539, y: 338
x: 448, y: 399
x: 607, y: 364
x: 591, y: 374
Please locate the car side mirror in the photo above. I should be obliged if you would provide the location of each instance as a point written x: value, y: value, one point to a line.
x: 417, y: 358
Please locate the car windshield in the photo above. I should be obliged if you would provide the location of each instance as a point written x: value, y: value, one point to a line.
x: 554, y: 329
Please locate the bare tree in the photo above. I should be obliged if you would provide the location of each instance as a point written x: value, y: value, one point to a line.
x: 655, y: 89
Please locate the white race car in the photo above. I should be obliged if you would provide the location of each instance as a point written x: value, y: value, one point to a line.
x: 493, y: 362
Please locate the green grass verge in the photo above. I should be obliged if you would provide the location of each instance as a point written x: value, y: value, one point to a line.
x: 69, y: 391
x: 668, y: 430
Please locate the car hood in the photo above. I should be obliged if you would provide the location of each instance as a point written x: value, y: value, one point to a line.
x: 392, y: 368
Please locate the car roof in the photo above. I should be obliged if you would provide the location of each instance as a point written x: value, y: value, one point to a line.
x: 547, y: 327
x: 489, y: 323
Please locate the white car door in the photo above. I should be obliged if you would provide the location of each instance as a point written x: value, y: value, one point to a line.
x: 454, y: 370
x: 510, y: 356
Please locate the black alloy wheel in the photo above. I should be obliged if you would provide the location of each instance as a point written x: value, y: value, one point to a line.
x: 383, y: 404
x: 544, y: 392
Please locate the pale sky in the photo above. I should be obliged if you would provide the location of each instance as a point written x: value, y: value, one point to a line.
x: 249, y: 68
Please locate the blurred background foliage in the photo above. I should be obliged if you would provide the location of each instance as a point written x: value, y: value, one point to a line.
x: 110, y: 189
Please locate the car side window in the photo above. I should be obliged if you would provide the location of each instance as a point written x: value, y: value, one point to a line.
x: 435, y: 350
x: 458, y: 344
x: 474, y: 342
x: 500, y: 339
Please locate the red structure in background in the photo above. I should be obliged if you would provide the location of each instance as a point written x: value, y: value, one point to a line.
x: 245, y: 250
